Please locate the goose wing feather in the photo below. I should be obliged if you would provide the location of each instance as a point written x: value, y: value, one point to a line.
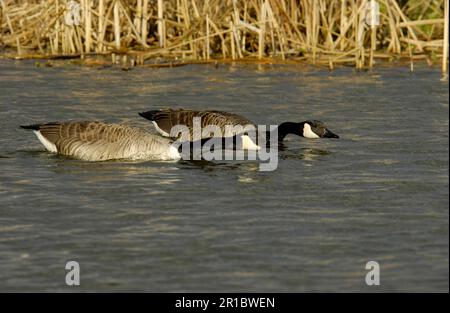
x: 168, y: 118
x: 97, y: 141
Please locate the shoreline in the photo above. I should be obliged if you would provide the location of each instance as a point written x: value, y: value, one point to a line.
x: 130, y: 60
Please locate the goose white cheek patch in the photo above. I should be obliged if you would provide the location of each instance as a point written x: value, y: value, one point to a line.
x: 308, y: 133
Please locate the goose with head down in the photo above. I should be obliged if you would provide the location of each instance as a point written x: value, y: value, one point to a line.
x: 99, y: 141
x: 165, y: 119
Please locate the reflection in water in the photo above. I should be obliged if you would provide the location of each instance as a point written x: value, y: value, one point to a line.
x: 211, y: 166
x: 306, y: 154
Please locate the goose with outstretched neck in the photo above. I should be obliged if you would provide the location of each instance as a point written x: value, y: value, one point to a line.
x: 165, y: 119
x: 99, y: 141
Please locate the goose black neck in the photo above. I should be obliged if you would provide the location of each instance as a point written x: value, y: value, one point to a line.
x: 287, y: 128
x: 222, y: 142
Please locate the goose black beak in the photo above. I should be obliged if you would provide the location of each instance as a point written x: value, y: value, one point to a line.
x: 329, y: 134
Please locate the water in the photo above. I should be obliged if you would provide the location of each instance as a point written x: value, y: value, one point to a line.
x: 378, y: 193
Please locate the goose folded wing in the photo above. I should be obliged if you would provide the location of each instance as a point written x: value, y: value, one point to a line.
x: 88, y: 140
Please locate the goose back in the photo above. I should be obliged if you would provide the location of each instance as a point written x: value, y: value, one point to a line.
x: 165, y: 119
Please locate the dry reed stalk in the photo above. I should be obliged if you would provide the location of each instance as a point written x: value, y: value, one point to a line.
x: 343, y: 21
x: 405, y: 19
x: 55, y: 49
x: 315, y: 30
x: 411, y: 62
x: 144, y: 21
x: 101, y: 21
x: 207, y: 37
x: 373, y: 44
x: 88, y: 24
x: 262, y: 29
x: 394, y: 44
x: 280, y: 36
x: 224, y: 48
x: 445, y: 40
x: 236, y: 33
x: 133, y: 28
x: 138, y: 16
x: 244, y: 31
x: 71, y: 38
x: 233, y: 49
x: 19, y: 51
x: 319, y: 30
x: 373, y: 36
x: 78, y: 40
x: 117, y: 24
x: 361, y: 33
x: 422, y: 22
x: 356, y: 35
x: 64, y: 39
x: 160, y: 23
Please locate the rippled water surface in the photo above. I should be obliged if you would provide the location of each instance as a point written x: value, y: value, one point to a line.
x: 378, y: 193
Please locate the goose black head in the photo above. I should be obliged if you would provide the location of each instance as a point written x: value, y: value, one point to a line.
x: 316, y: 129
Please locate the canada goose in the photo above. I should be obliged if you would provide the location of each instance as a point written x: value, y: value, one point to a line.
x: 165, y: 119
x: 97, y: 141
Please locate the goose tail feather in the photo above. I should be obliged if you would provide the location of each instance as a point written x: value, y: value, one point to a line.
x: 31, y: 127
x: 150, y: 115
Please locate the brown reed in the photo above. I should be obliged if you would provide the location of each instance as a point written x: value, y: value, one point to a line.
x: 323, y: 32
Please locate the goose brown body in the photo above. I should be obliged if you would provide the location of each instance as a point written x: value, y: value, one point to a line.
x: 165, y: 119
x: 98, y: 141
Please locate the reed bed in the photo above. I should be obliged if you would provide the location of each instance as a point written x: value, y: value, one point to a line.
x: 323, y: 32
